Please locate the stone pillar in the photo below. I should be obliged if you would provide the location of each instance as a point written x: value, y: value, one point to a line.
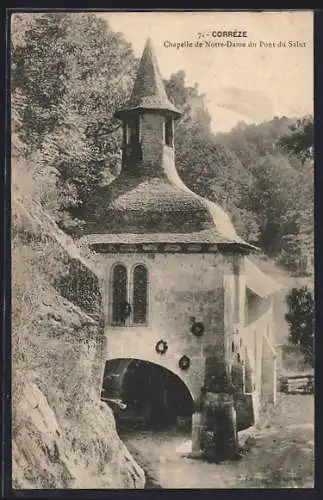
x: 228, y: 292
x: 274, y: 380
x: 220, y: 429
x: 196, y: 432
x: 234, y: 290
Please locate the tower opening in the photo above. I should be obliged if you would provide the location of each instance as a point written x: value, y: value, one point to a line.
x: 169, y: 134
x: 133, y: 129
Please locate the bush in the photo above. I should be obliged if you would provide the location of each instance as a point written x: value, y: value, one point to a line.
x: 300, y: 319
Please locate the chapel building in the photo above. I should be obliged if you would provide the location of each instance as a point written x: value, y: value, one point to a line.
x: 187, y: 312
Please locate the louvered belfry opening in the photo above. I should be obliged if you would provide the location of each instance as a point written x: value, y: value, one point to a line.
x: 133, y: 125
x: 169, y: 132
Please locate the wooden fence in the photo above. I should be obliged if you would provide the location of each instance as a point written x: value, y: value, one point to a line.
x: 297, y: 384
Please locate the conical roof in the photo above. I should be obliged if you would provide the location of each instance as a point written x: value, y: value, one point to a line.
x: 149, y: 91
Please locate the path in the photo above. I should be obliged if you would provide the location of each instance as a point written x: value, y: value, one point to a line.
x: 280, y: 455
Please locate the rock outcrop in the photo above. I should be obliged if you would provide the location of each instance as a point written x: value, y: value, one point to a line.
x: 63, y: 436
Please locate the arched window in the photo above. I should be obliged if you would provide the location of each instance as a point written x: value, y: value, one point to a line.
x: 140, y: 294
x: 120, y: 312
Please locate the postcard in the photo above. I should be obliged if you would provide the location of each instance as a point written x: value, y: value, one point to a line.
x: 162, y: 242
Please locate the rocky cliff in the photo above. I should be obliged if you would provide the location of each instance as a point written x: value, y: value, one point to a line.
x: 63, y: 436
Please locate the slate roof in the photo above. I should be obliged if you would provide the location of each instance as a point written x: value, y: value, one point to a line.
x: 149, y: 90
x: 147, y: 209
x: 209, y: 236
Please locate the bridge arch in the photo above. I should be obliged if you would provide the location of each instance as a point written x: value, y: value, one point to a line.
x: 150, y: 390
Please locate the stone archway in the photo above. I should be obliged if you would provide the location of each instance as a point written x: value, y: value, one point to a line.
x: 155, y: 396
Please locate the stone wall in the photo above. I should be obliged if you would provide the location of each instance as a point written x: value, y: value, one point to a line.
x: 152, y: 143
x: 211, y: 288
x: 180, y: 287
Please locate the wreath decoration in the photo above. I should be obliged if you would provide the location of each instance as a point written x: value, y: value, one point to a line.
x: 184, y: 363
x: 197, y: 329
x: 161, y: 347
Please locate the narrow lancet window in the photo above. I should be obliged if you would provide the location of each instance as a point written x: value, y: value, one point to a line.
x: 119, y: 295
x: 140, y: 294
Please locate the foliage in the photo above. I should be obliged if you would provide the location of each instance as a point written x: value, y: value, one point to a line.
x: 272, y: 194
x: 200, y: 159
x: 300, y: 319
x: 299, y: 140
x: 189, y: 101
x: 69, y: 74
x: 250, y: 142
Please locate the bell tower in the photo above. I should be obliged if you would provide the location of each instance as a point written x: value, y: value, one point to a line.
x: 148, y: 122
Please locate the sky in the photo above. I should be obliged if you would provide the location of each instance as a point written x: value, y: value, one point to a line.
x: 250, y: 84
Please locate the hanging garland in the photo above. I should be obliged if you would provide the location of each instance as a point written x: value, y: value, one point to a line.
x: 161, y: 347
x: 197, y: 329
x: 184, y: 363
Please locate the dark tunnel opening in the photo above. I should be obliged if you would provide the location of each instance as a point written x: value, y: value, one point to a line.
x: 156, y: 398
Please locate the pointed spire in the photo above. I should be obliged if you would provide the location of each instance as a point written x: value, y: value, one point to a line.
x: 149, y: 91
